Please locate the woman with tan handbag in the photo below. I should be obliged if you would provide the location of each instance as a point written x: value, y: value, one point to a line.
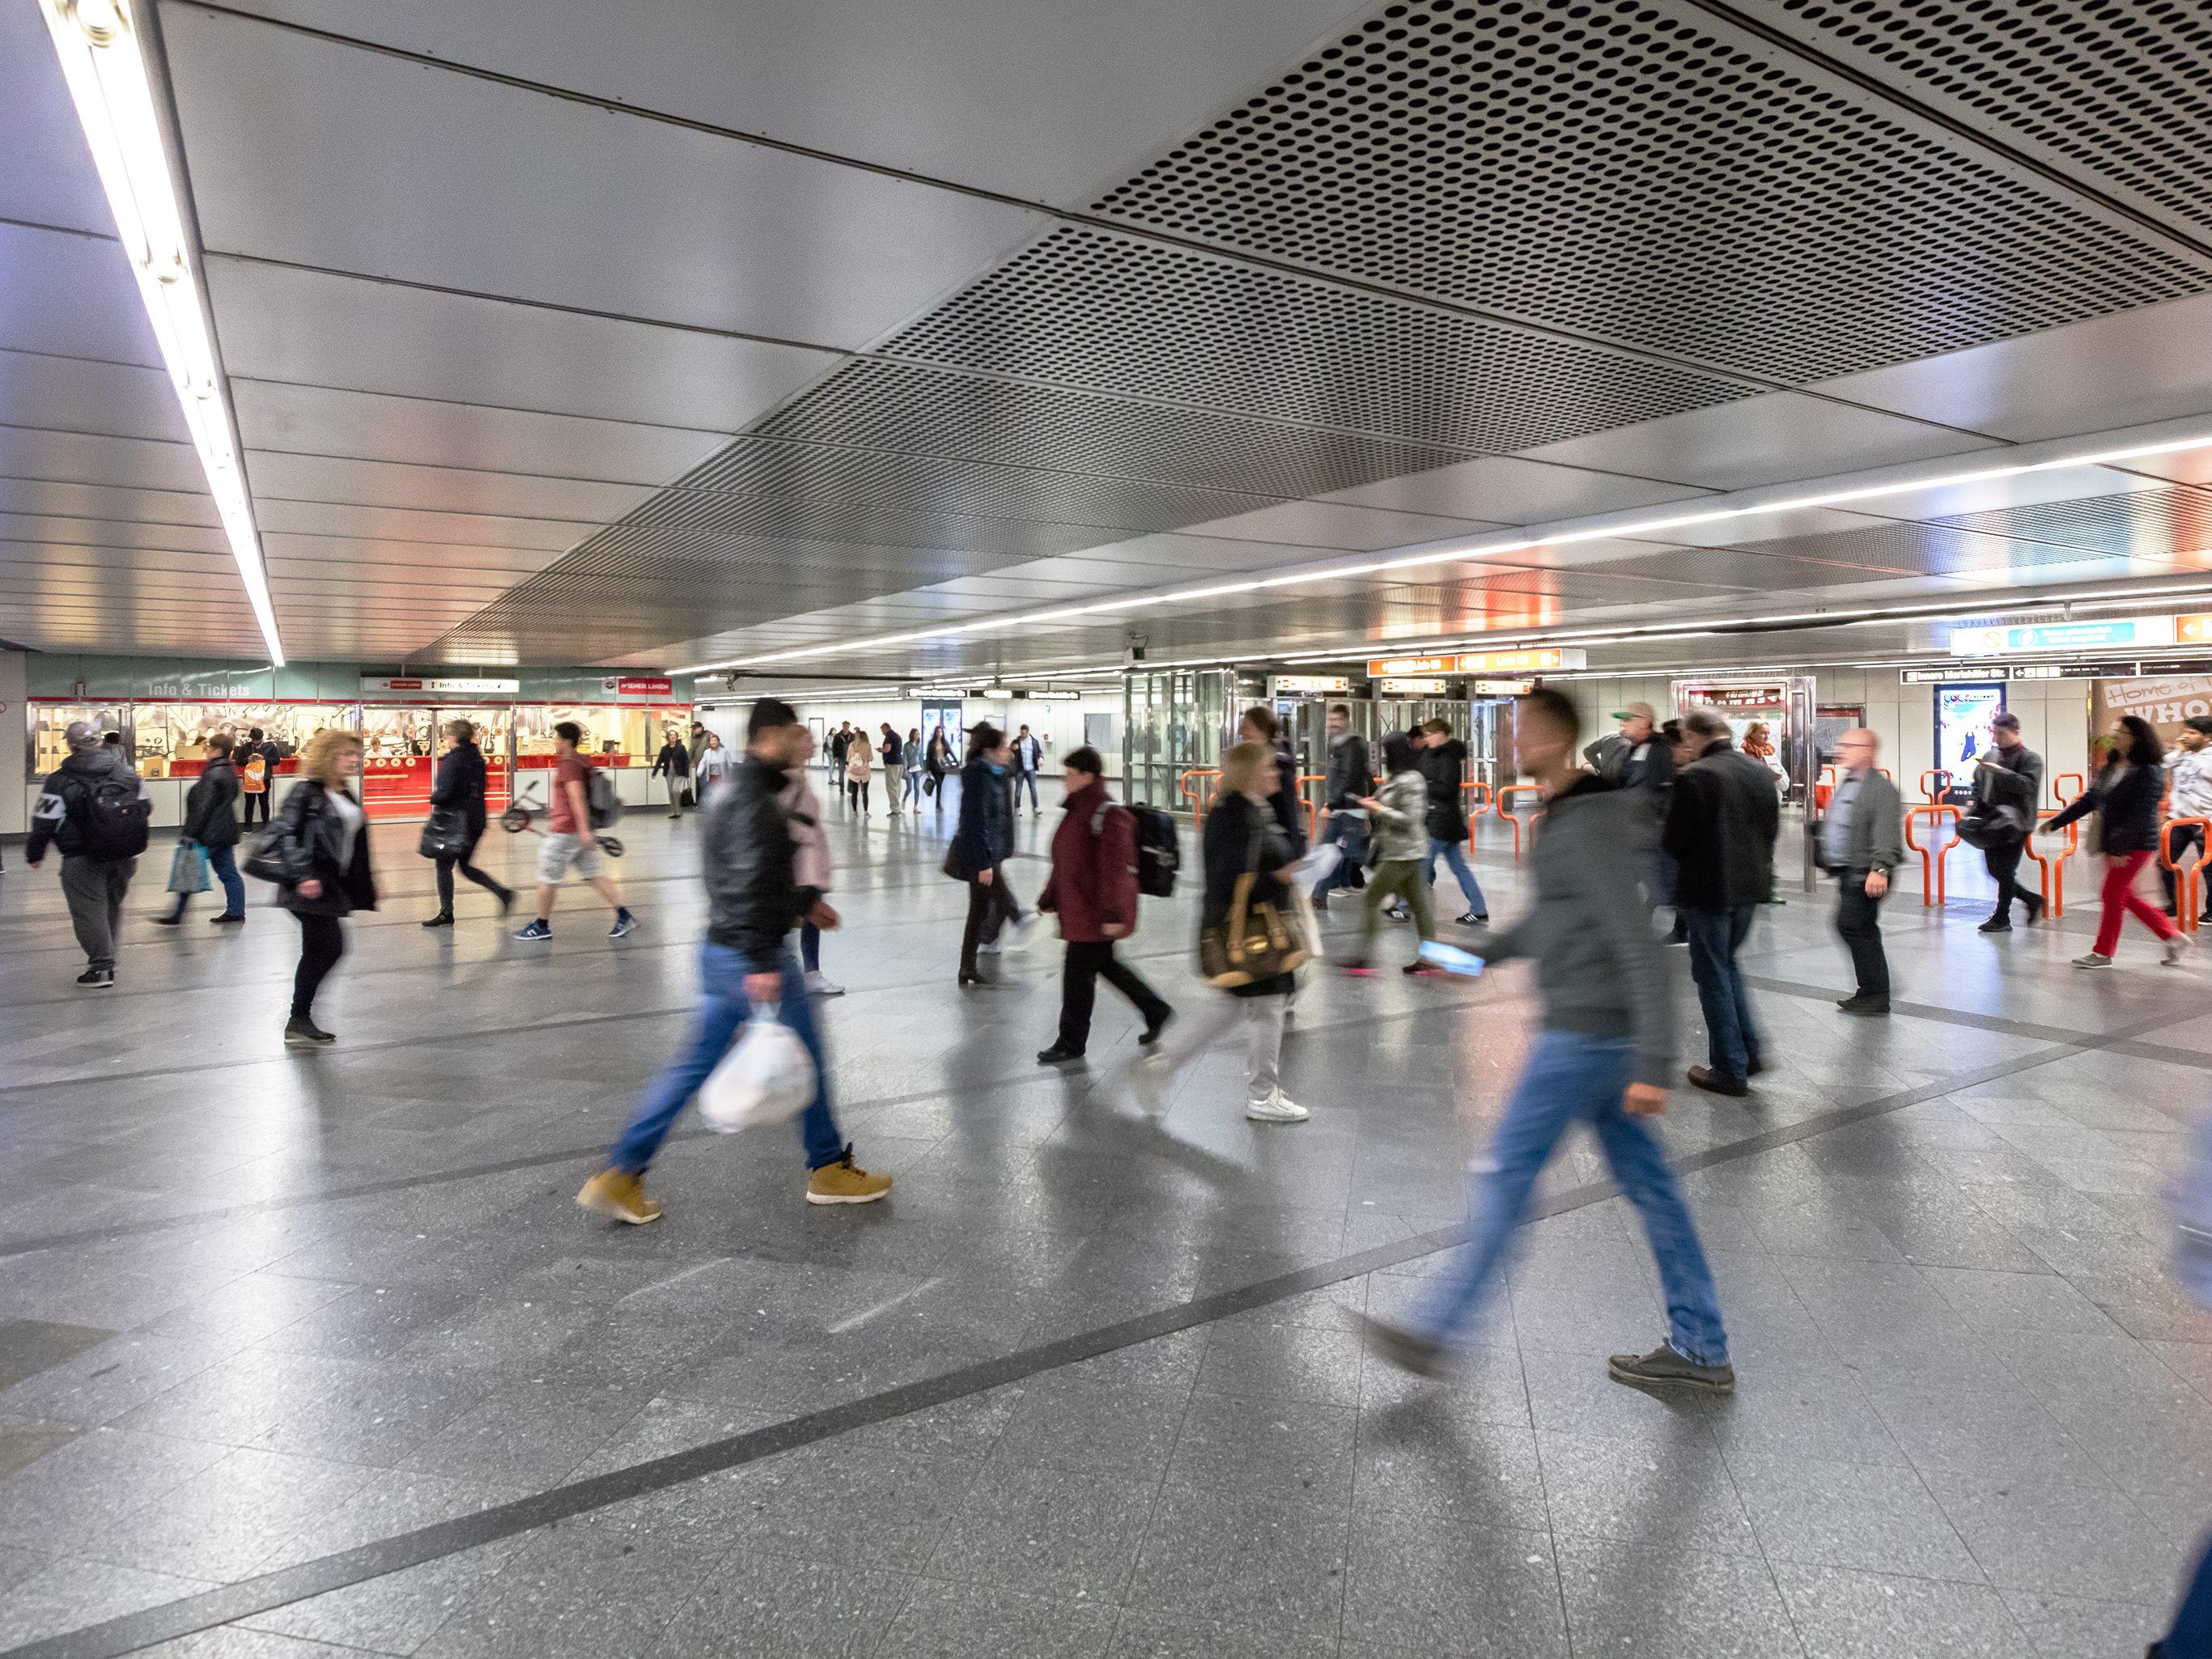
x: 1247, y: 948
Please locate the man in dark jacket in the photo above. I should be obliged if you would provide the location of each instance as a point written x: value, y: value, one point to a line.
x: 1350, y: 778
x: 982, y: 842
x: 459, y: 786
x: 1860, y: 842
x: 1442, y: 762
x: 754, y: 901
x: 2008, y: 793
x: 1639, y: 756
x: 1259, y: 724
x: 1604, y: 1057
x: 95, y: 809
x: 674, y: 763
x: 1093, y: 891
x: 211, y: 824
x: 1721, y: 821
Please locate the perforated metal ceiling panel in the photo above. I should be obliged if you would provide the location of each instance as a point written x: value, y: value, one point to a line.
x: 1108, y: 313
x: 2120, y: 90
x: 1634, y: 171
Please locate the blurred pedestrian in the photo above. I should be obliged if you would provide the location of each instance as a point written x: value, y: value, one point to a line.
x: 674, y: 763
x: 211, y: 824
x: 1344, y: 820
x: 1258, y: 725
x: 714, y: 767
x: 1860, y: 842
x: 95, y: 809
x: 2008, y: 792
x: 1604, y: 1057
x: 1029, y: 759
x: 459, y: 787
x: 811, y: 861
x: 981, y: 844
x: 570, y: 840
x: 1397, y: 818
x: 1722, y: 820
x: 1442, y: 762
x: 1093, y: 892
x: 2189, y: 795
x: 324, y: 822
x: 2124, y: 796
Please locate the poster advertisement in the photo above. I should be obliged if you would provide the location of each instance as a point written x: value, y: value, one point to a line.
x: 1963, y: 713
x: 2164, y: 700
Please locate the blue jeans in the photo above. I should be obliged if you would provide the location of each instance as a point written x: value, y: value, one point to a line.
x: 1572, y: 1076
x: 722, y: 973
x: 1349, y: 836
x: 2191, y: 1635
x: 1455, y: 861
x: 1028, y: 779
x: 1731, y: 1035
x: 224, y: 861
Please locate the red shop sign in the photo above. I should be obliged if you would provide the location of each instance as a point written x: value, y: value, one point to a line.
x: 640, y: 688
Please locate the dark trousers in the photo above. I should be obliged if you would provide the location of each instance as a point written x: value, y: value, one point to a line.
x: 1858, y: 919
x: 810, y: 948
x: 856, y: 793
x: 991, y: 905
x: 2191, y: 835
x: 2191, y: 1635
x: 94, y: 889
x: 322, y: 942
x: 462, y: 862
x: 2002, y: 858
x: 1732, y: 1037
x: 247, y: 803
x: 1087, y: 962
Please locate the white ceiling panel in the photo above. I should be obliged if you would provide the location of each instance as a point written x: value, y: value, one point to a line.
x: 78, y: 457
x: 1339, y: 527
x: 1765, y: 440
x: 327, y: 155
x: 281, y: 323
x: 1046, y: 102
x: 438, y: 489
x: 119, y: 506
x: 97, y: 532
x: 543, y: 537
x: 2150, y: 364
x: 509, y: 563
x: 49, y: 178
x: 70, y: 294
x: 366, y: 425
x: 111, y: 400
x: 1508, y: 489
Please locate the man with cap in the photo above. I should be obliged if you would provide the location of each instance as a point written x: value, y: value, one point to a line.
x: 2189, y: 795
x: 750, y: 861
x: 1636, y: 756
x: 95, y: 809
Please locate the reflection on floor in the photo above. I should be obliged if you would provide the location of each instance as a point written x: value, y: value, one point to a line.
x: 325, y: 1327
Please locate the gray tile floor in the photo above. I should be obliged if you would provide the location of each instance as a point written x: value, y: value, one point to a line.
x: 311, y: 1354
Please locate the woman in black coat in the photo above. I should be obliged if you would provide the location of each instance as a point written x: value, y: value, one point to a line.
x: 211, y: 824
x: 326, y: 835
x: 460, y: 785
x: 981, y: 845
x: 2125, y: 798
x: 1241, y: 837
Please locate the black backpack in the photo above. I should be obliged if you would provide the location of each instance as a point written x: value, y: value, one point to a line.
x: 603, y: 806
x: 116, y: 814
x: 1159, y: 853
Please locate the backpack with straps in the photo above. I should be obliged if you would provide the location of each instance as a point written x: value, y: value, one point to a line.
x: 117, y: 812
x: 602, y: 805
x: 1159, y: 852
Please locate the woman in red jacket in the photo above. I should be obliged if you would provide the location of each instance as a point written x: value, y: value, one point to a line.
x: 1093, y: 891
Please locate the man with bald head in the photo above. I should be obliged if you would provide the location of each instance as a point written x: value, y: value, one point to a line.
x: 1860, y: 844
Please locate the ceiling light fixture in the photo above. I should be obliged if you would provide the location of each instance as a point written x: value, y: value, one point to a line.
x: 111, y: 81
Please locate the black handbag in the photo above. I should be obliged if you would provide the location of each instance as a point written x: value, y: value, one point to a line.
x: 279, y: 856
x: 957, y: 866
x: 445, y: 833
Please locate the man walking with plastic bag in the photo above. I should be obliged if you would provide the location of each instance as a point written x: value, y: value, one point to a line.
x: 754, y: 900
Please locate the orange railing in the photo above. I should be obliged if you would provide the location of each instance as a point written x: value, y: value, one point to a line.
x: 1931, y: 859
x: 2058, y: 787
x: 1505, y: 809
x: 1183, y: 789
x: 2053, y: 870
x: 1313, y: 807
x: 2188, y: 880
x: 1483, y: 802
x: 1934, y: 795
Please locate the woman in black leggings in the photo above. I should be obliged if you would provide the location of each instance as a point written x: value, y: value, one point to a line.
x: 328, y: 841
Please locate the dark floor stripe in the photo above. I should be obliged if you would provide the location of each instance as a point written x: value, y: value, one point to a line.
x: 173, y: 1620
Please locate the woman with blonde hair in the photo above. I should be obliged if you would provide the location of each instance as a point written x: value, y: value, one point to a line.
x: 1242, y: 839
x: 860, y: 759
x: 323, y: 852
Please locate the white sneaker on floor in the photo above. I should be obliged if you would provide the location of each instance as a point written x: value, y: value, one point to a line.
x: 2176, y: 948
x: 819, y: 984
x: 1277, y: 1108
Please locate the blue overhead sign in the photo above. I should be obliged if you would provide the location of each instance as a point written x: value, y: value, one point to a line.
x: 2116, y: 633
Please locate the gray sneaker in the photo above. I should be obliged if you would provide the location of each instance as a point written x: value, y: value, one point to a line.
x: 1424, y: 1356
x: 1664, y: 1367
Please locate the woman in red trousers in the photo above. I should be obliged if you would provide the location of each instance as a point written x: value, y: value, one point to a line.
x: 2125, y: 798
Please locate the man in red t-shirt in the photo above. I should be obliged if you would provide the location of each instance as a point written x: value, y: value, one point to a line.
x: 570, y: 841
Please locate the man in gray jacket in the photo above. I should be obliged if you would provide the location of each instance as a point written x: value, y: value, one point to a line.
x: 1861, y: 842
x: 95, y: 810
x: 1604, y: 1057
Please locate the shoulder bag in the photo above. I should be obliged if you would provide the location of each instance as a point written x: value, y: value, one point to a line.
x: 1253, y: 942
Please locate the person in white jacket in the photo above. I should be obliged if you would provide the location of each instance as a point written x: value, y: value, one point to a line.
x: 714, y: 769
x: 810, y: 865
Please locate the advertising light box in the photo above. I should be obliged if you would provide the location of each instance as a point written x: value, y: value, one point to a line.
x: 2107, y: 633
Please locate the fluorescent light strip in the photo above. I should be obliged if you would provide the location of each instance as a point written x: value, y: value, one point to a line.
x: 112, y: 83
x: 1625, y: 531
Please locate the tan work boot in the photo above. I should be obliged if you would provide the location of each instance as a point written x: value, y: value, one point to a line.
x: 845, y: 1182
x: 619, y: 1194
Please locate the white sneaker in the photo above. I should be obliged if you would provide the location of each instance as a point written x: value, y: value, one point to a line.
x: 1277, y: 1108
x: 2178, y: 947
x: 1022, y: 934
x: 819, y: 984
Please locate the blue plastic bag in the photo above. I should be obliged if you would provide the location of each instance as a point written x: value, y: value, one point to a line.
x: 188, y: 868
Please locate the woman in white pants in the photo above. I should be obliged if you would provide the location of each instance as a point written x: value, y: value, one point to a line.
x: 1241, y: 837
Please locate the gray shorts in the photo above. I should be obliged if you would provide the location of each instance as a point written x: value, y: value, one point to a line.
x: 558, y: 855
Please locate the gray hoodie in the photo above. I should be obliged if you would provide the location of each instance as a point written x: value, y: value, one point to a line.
x: 1600, y: 969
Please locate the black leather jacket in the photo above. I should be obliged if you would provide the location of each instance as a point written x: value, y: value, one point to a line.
x: 753, y: 895
x: 1722, y: 819
x: 346, y: 887
x: 461, y: 782
x: 211, y: 805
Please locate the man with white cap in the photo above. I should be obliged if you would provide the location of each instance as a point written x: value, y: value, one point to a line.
x: 95, y: 809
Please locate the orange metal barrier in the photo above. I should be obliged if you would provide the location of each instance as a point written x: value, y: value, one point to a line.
x: 1313, y: 807
x: 2053, y: 870
x: 2188, y: 880
x: 1182, y: 787
x: 2058, y: 787
x: 1505, y: 809
x: 1931, y: 859
x: 1934, y: 795
x: 1483, y: 802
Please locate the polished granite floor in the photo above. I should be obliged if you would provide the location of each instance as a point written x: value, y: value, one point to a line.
x: 310, y: 1354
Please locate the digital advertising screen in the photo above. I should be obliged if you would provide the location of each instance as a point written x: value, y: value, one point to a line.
x: 1963, y: 713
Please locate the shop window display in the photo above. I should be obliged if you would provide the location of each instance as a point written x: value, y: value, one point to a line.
x: 50, y: 722
x: 167, y: 736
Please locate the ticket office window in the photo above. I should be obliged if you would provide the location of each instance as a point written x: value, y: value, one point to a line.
x: 50, y: 724
x: 168, y: 736
x: 613, y: 735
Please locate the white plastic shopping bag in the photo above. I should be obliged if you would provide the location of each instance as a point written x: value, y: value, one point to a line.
x: 768, y: 1076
